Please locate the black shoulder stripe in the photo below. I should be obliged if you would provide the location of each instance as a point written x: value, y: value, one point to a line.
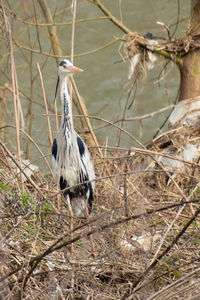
x: 54, y: 148
x: 81, y: 146
x: 91, y: 197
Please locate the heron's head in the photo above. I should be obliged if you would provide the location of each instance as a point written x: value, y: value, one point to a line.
x: 67, y: 68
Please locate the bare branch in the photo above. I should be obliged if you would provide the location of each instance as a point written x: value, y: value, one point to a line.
x: 110, y: 16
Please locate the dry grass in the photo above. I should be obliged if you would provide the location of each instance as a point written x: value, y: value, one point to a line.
x: 146, y: 236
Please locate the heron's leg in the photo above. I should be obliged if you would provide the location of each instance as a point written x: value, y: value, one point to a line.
x: 72, y: 245
x: 71, y: 222
x: 94, y: 253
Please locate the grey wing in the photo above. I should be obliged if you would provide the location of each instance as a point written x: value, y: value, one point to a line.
x: 86, y: 159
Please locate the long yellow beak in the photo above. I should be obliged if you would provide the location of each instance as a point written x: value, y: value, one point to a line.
x: 76, y: 69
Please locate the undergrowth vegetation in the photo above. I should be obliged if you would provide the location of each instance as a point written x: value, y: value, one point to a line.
x: 144, y: 225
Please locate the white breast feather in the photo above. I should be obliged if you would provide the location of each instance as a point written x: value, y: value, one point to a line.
x: 72, y: 164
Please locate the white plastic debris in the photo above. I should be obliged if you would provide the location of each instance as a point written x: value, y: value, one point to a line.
x: 133, y: 63
x: 151, y: 60
x: 28, y: 168
x: 151, y: 44
x: 151, y: 56
x: 132, y: 153
x: 186, y: 112
x: 144, y: 242
x: 188, y: 153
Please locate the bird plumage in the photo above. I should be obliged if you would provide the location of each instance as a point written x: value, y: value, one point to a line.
x: 71, y: 161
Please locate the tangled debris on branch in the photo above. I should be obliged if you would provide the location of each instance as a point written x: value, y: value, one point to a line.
x: 140, y: 50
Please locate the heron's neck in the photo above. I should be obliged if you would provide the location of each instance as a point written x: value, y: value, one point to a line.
x: 67, y: 121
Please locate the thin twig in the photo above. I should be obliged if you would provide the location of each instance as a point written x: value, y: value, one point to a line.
x: 46, y: 106
x: 102, y: 47
x: 56, y: 24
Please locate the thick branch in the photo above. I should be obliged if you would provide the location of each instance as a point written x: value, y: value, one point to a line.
x: 190, y: 69
x: 110, y: 16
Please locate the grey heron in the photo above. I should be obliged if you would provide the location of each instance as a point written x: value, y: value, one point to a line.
x: 71, y: 160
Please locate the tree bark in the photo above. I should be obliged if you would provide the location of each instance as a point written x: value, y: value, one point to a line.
x: 190, y: 67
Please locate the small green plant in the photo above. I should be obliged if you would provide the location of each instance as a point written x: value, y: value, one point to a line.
x: 47, y: 208
x: 24, y: 200
x: 11, y: 194
x: 79, y: 243
x: 176, y: 273
x: 3, y: 186
x: 197, y: 191
x: 27, y: 200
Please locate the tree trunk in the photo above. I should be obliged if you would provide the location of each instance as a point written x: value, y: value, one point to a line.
x: 190, y: 68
